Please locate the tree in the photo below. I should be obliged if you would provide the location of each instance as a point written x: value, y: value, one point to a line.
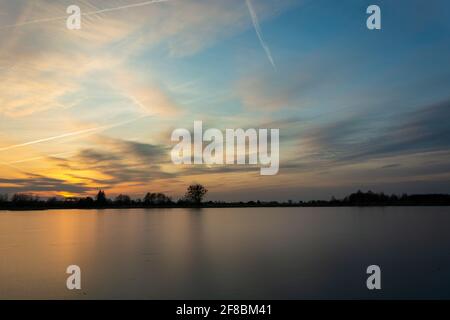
x: 123, y: 199
x: 52, y: 200
x: 86, y: 202
x: 195, y: 193
x: 161, y: 198
x: 156, y: 198
x: 101, y: 197
x: 22, y: 198
x: 3, y: 198
x: 149, y: 198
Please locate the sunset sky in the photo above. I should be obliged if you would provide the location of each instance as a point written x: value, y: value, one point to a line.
x: 94, y: 108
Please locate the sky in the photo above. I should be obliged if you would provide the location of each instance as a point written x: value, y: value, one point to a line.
x: 89, y: 109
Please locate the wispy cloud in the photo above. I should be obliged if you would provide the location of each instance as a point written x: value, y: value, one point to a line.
x: 259, y: 33
x: 38, y: 183
x: 71, y: 134
x: 134, y: 5
x: 117, y: 161
x: 40, y: 158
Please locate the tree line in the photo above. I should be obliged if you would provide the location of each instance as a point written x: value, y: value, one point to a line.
x: 195, y: 194
x: 193, y: 197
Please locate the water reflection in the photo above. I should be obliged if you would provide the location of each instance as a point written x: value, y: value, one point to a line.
x: 226, y: 253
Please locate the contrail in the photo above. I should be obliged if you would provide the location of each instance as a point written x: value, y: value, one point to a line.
x: 71, y: 134
x: 10, y: 165
x: 141, y: 4
x: 259, y: 33
x: 137, y: 102
x: 40, y: 158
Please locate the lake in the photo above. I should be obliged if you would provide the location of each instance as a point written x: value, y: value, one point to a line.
x: 232, y: 253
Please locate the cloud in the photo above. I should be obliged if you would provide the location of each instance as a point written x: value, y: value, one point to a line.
x: 45, y: 65
x: 148, y: 97
x: 40, y: 184
x: 91, y: 156
x: 25, y: 91
x: 418, y: 131
x: 115, y: 161
x: 293, y: 86
x: 361, y: 139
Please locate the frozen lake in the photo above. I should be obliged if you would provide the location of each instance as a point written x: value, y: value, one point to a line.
x: 233, y: 253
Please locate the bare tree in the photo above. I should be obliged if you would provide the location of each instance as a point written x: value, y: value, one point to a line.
x: 195, y: 193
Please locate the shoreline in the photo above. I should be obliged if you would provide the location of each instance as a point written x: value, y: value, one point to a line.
x: 225, y: 206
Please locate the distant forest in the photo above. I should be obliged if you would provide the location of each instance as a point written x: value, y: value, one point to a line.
x: 194, y: 198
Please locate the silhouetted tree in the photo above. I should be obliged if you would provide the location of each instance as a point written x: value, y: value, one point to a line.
x: 156, y: 198
x: 195, y: 193
x: 122, y: 199
x: 161, y: 198
x: 52, y: 201
x: 101, y: 198
x: 86, y: 202
x: 3, y: 198
x: 149, y: 198
x: 23, y: 199
x: 393, y: 198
